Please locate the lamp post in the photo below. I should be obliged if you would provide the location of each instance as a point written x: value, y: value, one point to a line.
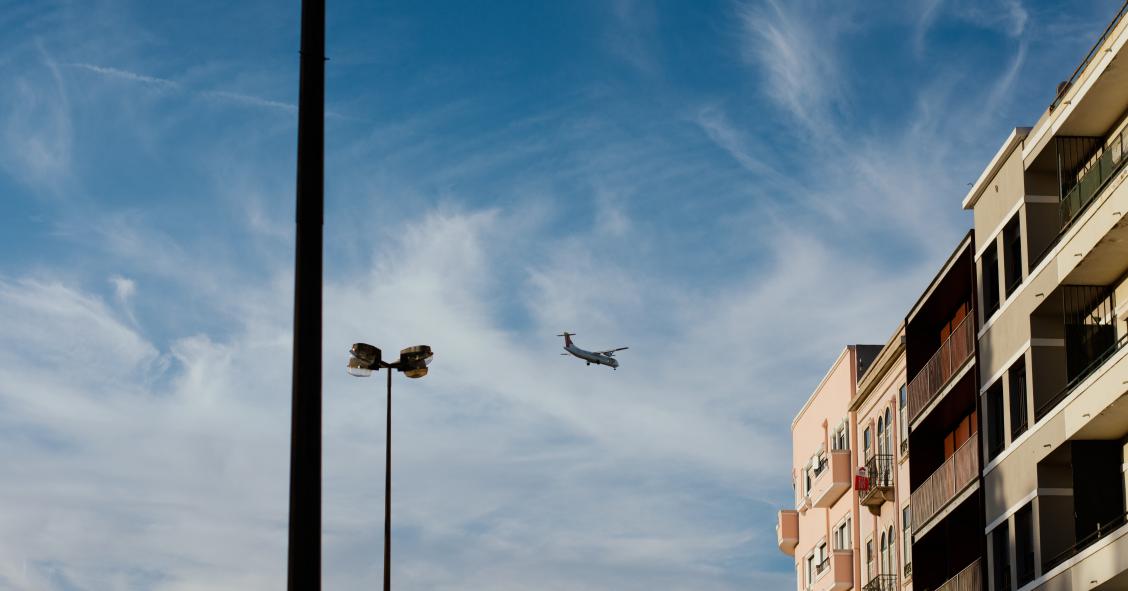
x: 365, y: 359
x: 303, y: 559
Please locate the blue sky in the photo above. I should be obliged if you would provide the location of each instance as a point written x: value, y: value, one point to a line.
x: 735, y: 190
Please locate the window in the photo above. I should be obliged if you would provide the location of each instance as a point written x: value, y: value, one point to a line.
x: 883, y: 564
x: 994, y: 404
x: 907, y: 535
x: 1024, y: 544
x: 1000, y: 558
x: 903, y: 420
x: 888, y: 431
x: 866, y: 441
x: 869, y: 560
x: 810, y: 570
x: 819, y: 463
x: 990, y: 281
x: 841, y: 439
x: 1012, y: 255
x: 843, y: 535
x: 1017, y: 379
x: 823, y: 559
x: 891, y: 567
x: 880, y: 436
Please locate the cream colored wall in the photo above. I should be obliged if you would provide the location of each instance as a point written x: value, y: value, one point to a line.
x: 826, y: 407
x: 884, y: 395
x: 1002, y: 193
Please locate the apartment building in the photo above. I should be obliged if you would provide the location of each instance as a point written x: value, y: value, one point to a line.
x: 942, y: 413
x: 1051, y: 261
x: 826, y: 526
x: 878, y: 412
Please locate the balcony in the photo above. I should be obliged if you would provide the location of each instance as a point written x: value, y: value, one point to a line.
x: 948, y: 359
x: 968, y: 579
x: 1100, y: 165
x: 877, y: 487
x: 953, y: 476
x: 842, y: 565
x: 881, y: 583
x: 787, y: 531
x: 802, y: 502
x: 832, y: 480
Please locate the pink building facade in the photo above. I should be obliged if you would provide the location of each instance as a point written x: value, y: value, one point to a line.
x: 845, y: 532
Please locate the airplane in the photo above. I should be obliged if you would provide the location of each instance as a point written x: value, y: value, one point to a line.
x: 597, y: 357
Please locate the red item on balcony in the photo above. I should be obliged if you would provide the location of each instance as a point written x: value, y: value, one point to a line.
x: 861, y: 480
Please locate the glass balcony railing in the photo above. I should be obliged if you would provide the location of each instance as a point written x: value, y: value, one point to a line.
x: 1105, y: 163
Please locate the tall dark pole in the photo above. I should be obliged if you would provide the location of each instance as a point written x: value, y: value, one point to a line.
x: 304, y: 558
x: 388, y: 494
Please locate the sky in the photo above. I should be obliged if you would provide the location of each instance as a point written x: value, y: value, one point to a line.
x: 733, y: 189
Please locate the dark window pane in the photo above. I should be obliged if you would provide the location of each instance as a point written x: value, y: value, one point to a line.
x: 1001, y: 559
x: 995, y: 438
x: 1018, y: 398
x: 1024, y: 544
x: 990, y: 281
x: 1012, y: 255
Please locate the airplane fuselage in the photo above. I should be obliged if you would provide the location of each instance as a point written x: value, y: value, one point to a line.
x: 591, y: 357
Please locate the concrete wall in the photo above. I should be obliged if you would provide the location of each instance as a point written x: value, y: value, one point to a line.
x: 997, y: 203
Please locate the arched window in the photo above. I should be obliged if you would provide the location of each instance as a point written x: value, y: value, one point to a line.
x: 884, y: 556
x: 888, y: 431
x: 880, y: 436
x: 892, y: 553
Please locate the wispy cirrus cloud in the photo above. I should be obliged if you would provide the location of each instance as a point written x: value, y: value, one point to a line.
x: 167, y: 84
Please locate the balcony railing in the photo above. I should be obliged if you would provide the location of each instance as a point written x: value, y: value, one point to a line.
x: 1105, y: 163
x: 879, y: 481
x: 968, y: 579
x: 824, y: 565
x: 1065, y: 86
x: 956, y: 473
x: 950, y: 357
x: 1045, y: 408
x: 1103, y: 529
x: 881, y: 583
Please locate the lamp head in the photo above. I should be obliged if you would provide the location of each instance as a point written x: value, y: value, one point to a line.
x: 363, y: 360
x: 414, y: 360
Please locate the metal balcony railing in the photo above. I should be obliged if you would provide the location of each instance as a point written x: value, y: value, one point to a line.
x: 968, y: 579
x: 956, y: 473
x: 1045, y: 408
x: 881, y: 583
x: 1064, y: 88
x: 822, y: 566
x: 1103, y: 529
x: 950, y: 357
x: 879, y: 473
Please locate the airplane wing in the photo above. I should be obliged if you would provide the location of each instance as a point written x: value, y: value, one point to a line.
x: 611, y: 351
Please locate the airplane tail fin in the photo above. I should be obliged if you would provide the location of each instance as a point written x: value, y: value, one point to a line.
x: 567, y: 338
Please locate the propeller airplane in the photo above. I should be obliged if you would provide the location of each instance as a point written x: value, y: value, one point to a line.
x: 597, y: 357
